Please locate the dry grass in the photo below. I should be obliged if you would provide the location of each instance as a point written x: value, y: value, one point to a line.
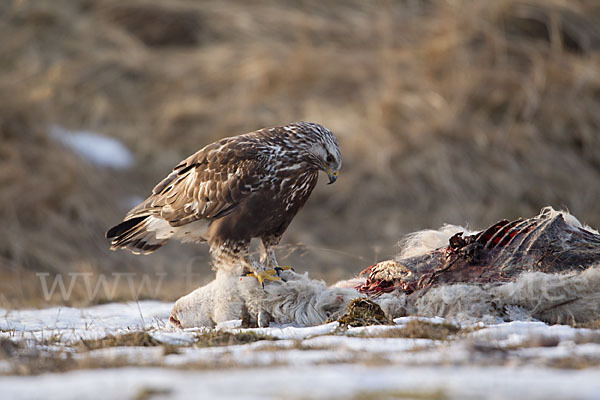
x: 589, y: 325
x: 535, y: 341
x: 34, y: 362
x: 210, y: 338
x: 363, y: 312
x: 141, y: 338
x: 8, y: 348
x: 223, y: 338
x: 148, y: 393
x: 423, y: 329
x: 401, y: 394
x: 573, y: 363
x: 26, y: 359
x: 32, y: 358
x: 463, y: 111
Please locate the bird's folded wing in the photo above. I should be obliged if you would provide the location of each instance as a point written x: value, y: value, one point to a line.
x: 207, y: 185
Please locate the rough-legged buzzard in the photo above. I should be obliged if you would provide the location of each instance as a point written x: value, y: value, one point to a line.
x: 239, y: 188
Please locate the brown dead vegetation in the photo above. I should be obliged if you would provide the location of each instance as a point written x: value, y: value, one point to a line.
x: 463, y: 111
x: 573, y: 363
x: 148, y: 393
x: 401, y: 394
x: 209, y: 338
x: 589, y: 325
x: 223, y: 338
x: 363, y: 312
x: 141, y: 338
x: 33, y: 357
x: 423, y: 329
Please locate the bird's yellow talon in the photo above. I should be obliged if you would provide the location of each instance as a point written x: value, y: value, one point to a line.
x: 266, y: 275
x: 283, y: 268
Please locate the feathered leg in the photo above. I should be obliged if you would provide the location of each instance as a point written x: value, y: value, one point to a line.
x: 268, y: 258
x: 235, y: 257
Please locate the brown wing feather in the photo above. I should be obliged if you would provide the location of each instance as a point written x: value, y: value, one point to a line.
x: 207, y: 185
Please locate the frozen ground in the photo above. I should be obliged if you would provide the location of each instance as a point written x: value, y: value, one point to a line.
x: 88, y: 353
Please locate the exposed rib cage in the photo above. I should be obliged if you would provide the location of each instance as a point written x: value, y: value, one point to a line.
x: 544, y: 243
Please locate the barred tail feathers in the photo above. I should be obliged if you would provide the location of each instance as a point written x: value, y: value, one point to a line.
x: 144, y: 234
x: 140, y: 235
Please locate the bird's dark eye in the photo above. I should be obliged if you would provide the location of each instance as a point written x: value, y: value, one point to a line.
x: 329, y: 158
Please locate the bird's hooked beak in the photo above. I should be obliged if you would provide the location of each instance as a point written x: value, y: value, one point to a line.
x: 333, y: 175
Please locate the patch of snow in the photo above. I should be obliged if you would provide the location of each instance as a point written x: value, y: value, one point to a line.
x: 370, y: 330
x: 433, y: 320
x: 291, y: 332
x: 310, y: 382
x: 100, y: 150
x: 371, y: 345
x: 175, y: 338
x: 563, y: 350
x: 263, y: 353
x: 132, y: 354
x: 236, y: 323
x: 516, y: 332
x: 72, y: 324
x: 310, y: 362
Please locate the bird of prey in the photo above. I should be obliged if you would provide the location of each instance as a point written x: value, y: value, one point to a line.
x: 231, y: 191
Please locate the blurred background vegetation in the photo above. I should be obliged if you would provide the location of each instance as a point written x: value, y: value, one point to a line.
x: 454, y: 111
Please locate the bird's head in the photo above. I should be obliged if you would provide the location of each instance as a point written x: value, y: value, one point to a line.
x: 323, y: 149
